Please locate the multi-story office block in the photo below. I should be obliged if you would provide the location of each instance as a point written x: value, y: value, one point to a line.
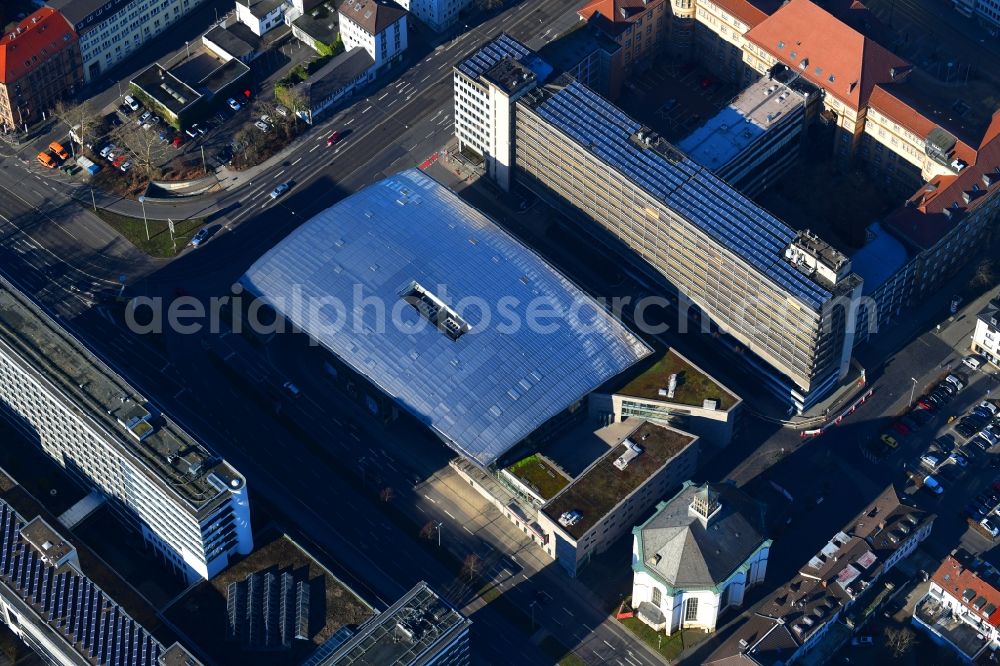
x: 112, y: 30
x: 39, y: 65
x: 377, y: 26
x: 987, y: 12
x: 487, y: 84
x: 788, y: 298
x: 757, y: 138
x: 59, y: 611
x: 188, y: 504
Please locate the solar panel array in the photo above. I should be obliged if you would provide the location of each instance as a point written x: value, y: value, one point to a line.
x: 684, y: 186
x: 71, y: 604
x: 266, y: 612
x: 491, y: 53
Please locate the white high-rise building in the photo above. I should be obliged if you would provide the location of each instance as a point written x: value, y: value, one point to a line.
x: 189, y: 505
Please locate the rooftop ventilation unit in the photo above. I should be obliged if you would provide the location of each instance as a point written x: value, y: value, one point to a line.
x: 632, y: 451
x: 570, y: 518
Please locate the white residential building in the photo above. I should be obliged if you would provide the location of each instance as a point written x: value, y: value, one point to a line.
x: 962, y: 606
x: 112, y: 30
x: 436, y: 14
x: 377, y: 26
x: 189, y: 505
x: 487, y: 84
x: 986, y: 337
x: 697, y: 556
x: 260, y: 15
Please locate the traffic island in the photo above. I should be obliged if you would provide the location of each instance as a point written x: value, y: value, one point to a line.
x: 160, y: 243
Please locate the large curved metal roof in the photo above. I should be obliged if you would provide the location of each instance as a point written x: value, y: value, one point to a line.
x: 480, y: 381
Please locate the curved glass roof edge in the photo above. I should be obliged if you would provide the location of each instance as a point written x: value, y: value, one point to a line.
x: 440, y: 241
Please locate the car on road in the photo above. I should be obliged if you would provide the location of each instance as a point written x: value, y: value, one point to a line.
x: 279, y: 190
x: 199, y: 237
x: 292, y: 390
x: 233, y: 104
x: 131, y: 103
x: 333, y: 138
x: 973, y: 361
x: 889, y: 440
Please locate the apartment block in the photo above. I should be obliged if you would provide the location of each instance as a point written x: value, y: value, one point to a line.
x: 986, y: 336
x: 188, y: 504
x: 986, y: 12
x: 487, y: 84
x: 640, y: 27
x: 787, y: 298
x: 260, y: 15
x: 39, y: 65
x: 790, y: 624
x: 112, y: 30
x: 377, y: 26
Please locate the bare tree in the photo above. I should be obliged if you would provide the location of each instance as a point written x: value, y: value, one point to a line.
x: 387, y: 494
x: 294, y: 97
x: 899, y: 641
x: 471, y: 566
x: 986, y: 274
x: 141, y: 146
x: 83, y: 120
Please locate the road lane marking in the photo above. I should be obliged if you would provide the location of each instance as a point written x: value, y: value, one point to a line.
x: 367, y: 109
x: 609, y: 645
x: 296, y: 161
x: 448, y: 513
x: 569, y: 612
x: 429, y: 498
x: 384, y: 95
x: 466, y: 529
x: 314, y: 148
x: 349, y: 121
x: 425, y: 78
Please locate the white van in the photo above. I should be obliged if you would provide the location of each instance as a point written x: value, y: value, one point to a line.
x: 973, y: 362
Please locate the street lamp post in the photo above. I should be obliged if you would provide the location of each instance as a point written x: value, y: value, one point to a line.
x: 142, y: 200
x: 438, y: 525
x: 912, y: 389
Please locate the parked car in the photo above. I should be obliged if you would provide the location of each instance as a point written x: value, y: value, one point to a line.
x: 901, y: 428
x: 990, y: 526
x: 176, y: 143
x: 199, y: 237
x: 107, y: 149
x: 125, y: 167
x: 889, y: 440
x: 281, y: 111
x: 279, y: 190
x: 233, y: 104
x: 945, y: 443
x: 910, y: 422
x: 292, y: 390
x: 922, y: 416
x: 932, y: 484
x: 956, y: 381
x: 862, y: 640
x: 973, y: 361
x: 988, y: 406
x: 125, y: 110
x: 930, y: 460
x: 119, y: 161
x: 959, y: 459
x: 131, y: 103
x: 144, y: 117
x: 262, y: 126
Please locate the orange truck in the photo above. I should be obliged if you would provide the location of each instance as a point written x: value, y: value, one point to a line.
x: 46, y: 160
x: 58, y: 149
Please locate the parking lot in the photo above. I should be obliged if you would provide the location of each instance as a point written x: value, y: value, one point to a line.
x: 673, y: 101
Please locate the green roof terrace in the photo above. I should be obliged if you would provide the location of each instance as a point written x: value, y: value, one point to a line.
x: 603, y: 485
x: 693, y: 387
x: 539, y: 475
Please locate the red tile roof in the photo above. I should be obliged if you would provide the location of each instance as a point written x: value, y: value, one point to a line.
x: 966, y: 587
x: 884, y: 100
x: 923, y: 220
x: 31, y: 43
x: 802, y: 32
